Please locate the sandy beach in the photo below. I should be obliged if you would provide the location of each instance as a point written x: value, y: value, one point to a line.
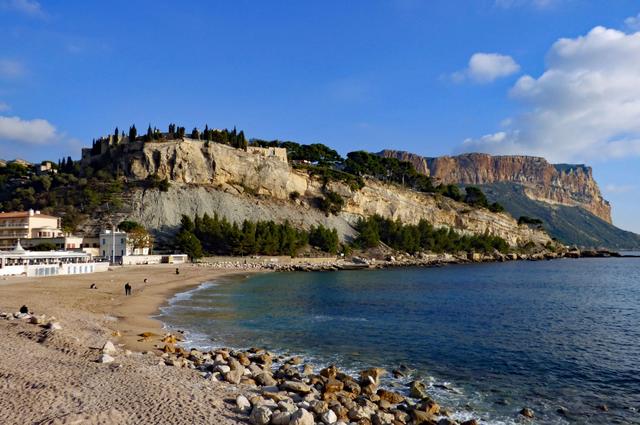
x: 53, y: 377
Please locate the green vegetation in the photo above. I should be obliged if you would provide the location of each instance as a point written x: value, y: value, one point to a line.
x: 186, y: 241
x: 528, y: 220
x: 361, y: 163
x: 422, y: 237
x: 332, y: 175
x: 331, y: 202
x: 476, y: 198
x: 315, y: 153
x: 324, y: 239
x: 218, y: 236
x: 72, y: 192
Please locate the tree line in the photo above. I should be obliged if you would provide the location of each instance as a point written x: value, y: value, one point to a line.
x: 217, y: 236
x: 422, y: 237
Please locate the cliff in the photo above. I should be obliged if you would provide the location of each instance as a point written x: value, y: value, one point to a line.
x: 561, y: 184
x: 214, y: 178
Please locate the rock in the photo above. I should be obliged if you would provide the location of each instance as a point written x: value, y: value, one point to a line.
x: 105, y: 358
x: 382, y: 418
x: 603, y: 407
x: 301, y: 417
x: 263, y: 359
x: 447, y: 421
x: 527, y: 413
x: 422, y: 418
x: 223, y: 368
x: 109, y: 348
x: 54, y: 326
x: 260, y: 415
x: 470, y: 422
x: 307, y: 370
x: 295, y: 360
x: 562, y: 411
x: 37, y: 320
x: 372, y: 375
x: 242, y: 403
x: 297, y: 387
x: 265, y: 378
x: 390, y: 396
x: 329, y: 372
x: 329, y: 417
x: 333, y: 386
x: 280, y: 418
x: 429, y: 406
x: 418, y: 390
x: 233, y: 376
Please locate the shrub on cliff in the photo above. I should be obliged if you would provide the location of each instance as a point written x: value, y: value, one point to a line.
x: 331, y: 203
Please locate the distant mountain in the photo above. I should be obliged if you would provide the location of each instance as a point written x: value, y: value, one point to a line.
x: 571, y: 225
x: 565, y: 196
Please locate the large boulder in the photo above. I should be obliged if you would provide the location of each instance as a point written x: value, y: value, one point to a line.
x: 260, y: 415
x: 302, y: 417
x: 242, y: 403
x: 296, y: 387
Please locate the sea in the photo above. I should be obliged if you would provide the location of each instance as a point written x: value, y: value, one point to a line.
x: 561, y: 337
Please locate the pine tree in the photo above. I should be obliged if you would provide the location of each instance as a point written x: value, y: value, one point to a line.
x: 116, y: 134
x: 133, y: 133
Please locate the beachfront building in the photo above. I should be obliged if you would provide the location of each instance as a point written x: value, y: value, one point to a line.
x: 117, y: 244
x: 88, y: 244
x: 30, y: 224
x: 20, y: 262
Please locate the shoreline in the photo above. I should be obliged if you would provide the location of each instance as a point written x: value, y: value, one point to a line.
x: 91, y: 317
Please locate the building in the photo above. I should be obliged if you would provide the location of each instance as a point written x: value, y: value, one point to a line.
x: 116, y: 245
x: 20, y: 262
x: 26, y: 225
x: 90, y: 244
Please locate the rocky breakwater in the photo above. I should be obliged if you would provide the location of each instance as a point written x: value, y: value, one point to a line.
x: 285, y: 391
x: 564, y: 184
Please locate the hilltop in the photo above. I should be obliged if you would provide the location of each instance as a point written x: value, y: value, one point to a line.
x: 565, y: 197
x: 158, y: 178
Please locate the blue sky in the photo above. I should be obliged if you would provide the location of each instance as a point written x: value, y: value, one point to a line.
x: 548, y: 77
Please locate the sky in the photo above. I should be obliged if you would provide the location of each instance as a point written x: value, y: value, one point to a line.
x: 552, y: 78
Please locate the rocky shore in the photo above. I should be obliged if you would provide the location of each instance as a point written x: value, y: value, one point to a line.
x: 405, y: 260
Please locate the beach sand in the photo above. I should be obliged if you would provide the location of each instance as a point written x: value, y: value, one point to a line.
x: 53, y: 377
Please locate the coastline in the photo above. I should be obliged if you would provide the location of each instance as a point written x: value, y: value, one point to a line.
x: 44, y: 369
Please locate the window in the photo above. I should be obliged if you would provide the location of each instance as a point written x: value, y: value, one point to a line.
x: 122, y: 241
x: 104, y: 242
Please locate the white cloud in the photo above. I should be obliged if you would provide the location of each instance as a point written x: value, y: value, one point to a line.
x: 28, y: 7
x: 487, y: 67
x: 585, y: 106
x: 633, y: 22
x: 4, y: 106
x: 36, y: 131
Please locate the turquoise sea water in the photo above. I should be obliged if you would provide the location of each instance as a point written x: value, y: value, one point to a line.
x: 489, y: 338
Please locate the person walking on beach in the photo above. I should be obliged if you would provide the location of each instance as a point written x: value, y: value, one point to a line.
x: 127, y: 289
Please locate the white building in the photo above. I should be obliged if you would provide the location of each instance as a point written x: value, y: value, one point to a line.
x: 20, y: 262
x: 116, y: 245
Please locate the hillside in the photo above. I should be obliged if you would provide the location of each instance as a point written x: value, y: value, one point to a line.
x: 216, y: 178
x: 570, y: 225
x: 565, y: 196
x: 158, y: 178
